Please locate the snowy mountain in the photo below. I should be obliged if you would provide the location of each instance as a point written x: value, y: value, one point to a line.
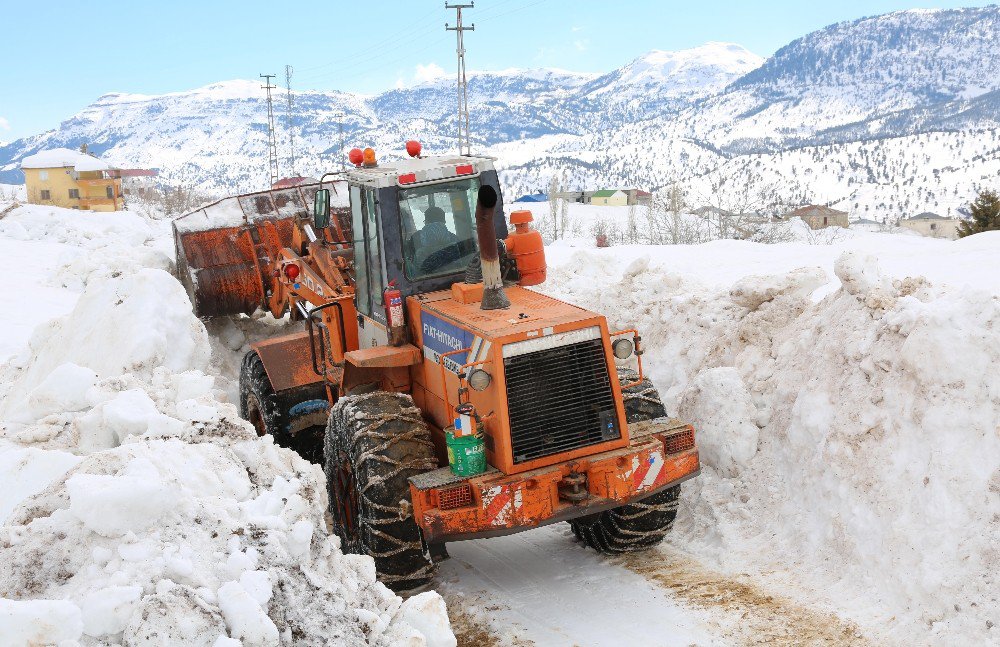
x: 809, y: 124
x: 854, y: 72
x: 659, y: 80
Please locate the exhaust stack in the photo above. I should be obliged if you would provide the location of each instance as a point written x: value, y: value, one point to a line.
x: 494, y: 297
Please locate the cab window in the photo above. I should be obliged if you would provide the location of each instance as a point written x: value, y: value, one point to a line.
x: 367, y: 255
x: 439, y: 228
x: 360, y: 262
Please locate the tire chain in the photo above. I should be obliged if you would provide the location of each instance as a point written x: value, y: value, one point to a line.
x: 372, y: 430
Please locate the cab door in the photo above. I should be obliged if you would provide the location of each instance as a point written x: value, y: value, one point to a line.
x: 368, y: 267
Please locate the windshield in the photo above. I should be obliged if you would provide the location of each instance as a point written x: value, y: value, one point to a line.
x: 439, y: 228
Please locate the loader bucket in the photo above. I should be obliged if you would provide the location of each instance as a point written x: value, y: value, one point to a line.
x: 225, y: 250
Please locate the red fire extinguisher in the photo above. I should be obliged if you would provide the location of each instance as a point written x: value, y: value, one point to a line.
x: 392, y: 300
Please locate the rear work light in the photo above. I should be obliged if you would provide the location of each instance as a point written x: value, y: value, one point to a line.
x: 407, y: 178
x: 455, y: 497
x: 465, y: 169
x: 679, y: 442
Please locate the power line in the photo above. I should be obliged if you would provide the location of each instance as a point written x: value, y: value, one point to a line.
x: 340, y: 128
x: 272, y: 144
x: 463, y: 83
x: 514, y: 10
x: 288, y: 120
x: 359, y: 72
x: 411, y: 32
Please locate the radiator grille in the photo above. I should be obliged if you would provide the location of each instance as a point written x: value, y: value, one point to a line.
x: 560, y: 399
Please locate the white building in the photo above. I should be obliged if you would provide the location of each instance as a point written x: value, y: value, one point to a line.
x: 933, y: 225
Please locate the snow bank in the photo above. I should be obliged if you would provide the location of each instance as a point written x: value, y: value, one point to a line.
x: 215, y: 533
x: 139, y: 509
x: 848, y: 415
x: 137, y: 323
x: 55, y: 253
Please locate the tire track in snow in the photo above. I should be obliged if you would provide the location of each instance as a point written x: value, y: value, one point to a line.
x: 750, y: 615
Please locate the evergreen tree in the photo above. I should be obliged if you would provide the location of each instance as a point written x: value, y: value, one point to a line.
x: 985, y: 215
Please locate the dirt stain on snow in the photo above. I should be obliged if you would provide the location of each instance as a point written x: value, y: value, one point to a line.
x: 752, y: 616
x: 472, y: 630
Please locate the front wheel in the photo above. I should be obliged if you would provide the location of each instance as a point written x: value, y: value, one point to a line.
x: 639, y: 525
x: 630, y: 528
x: 294, y: 417
x: 374, y: 443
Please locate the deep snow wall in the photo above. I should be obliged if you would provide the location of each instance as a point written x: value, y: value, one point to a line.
x: 137, y: 508
x: 851, y: 442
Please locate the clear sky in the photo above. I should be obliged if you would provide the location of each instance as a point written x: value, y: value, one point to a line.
x: 60, y: 55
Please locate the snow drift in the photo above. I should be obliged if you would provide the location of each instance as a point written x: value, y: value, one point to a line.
x: 849, y: 418
x: 138, y: 508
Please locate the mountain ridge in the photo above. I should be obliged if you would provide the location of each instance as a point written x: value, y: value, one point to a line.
x: 662, y: 118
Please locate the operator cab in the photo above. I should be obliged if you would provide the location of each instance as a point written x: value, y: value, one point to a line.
x: 438, y: 228
x: 413, y: 224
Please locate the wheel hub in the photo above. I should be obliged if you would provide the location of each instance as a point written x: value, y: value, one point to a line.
x: 255, y: 414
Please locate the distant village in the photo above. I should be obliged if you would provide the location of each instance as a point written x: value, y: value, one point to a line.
x: 76, y: 179
x: 816, y: 216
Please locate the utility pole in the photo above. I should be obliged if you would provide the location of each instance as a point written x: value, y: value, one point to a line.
x: 272, y: 144
x: 340, y: 129
x: 288, y: 120
x: 463, y: 92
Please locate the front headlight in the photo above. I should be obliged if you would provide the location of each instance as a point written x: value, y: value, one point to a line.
x: 622, y: 348
x: 479, y: 379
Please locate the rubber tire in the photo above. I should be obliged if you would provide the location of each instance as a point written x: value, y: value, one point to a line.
x: 379, y: 440
x: 643, y: 524
x: 257, y: 394
x: 258, y: 401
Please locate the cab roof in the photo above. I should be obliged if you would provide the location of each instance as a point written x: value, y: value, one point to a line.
x: 423, y: 169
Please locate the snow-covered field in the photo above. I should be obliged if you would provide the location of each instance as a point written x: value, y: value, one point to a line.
x: 848, y: 409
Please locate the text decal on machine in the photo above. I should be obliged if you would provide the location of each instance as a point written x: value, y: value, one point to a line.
x: 442, y: 337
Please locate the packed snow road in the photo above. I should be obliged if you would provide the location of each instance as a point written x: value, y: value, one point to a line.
x: 544, y: 588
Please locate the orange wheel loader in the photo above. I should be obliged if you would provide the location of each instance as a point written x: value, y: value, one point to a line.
x: 445, y: 400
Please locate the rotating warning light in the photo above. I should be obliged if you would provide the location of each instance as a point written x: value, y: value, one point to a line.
x: 413, y: 148
x: 356, y: 156
x: 370, y: 157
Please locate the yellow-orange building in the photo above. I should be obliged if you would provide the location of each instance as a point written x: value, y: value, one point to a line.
x: 66, y: 178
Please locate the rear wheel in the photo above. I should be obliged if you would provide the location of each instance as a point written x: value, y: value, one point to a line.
x: 642, y: 524
x: 374, y: 443
x: 295, y: 418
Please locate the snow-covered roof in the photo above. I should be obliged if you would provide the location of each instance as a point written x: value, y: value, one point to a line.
x: 715, y: 211
x: 927, y: 215
x: 65, y: 158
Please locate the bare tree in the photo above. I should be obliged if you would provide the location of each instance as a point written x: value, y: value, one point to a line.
x: 668, y: 224
x: 170, y: 201
x: 554, y: 190
x: 8, y: 194
x: 824, y: 236
x: 631, y: 233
